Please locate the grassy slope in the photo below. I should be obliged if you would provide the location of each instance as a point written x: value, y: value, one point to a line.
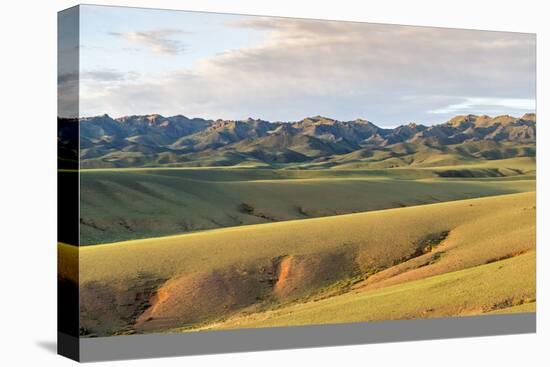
x: 418, y: 156
x: 375, y: 230
x: 277, y: 263
x: 495, y: 288
x: 128, y: 204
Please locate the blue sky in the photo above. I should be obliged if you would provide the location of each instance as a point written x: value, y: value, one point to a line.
x: 116, y: 38
x: 143, y: 61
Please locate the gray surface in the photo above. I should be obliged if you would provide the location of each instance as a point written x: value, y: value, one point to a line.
x: 213, y: 342
x: 68, y: 62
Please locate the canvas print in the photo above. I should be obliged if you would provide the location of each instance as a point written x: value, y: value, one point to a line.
x: 240, y: 172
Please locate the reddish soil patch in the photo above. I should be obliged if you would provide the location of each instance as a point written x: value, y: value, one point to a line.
x: 199, y: 297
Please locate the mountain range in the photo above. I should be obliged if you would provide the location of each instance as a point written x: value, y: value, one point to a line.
x: 313, y: 142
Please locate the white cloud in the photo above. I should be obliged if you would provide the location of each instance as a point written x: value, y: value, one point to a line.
x: 469, y: 105
x: 107, y: 75
x: 158, y: 40
x: 388, y: 74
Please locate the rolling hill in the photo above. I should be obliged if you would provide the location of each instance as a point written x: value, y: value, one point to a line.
x: 123, y: 204
x: 192, y: 224
x: 455, y: 258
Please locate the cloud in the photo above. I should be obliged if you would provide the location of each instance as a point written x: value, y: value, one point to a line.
x: 469, y: 105
x: 160, y: 41
x: 386, y: 73
x: 107, y: 75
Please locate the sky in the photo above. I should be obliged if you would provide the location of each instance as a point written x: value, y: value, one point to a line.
x: 143, y: 61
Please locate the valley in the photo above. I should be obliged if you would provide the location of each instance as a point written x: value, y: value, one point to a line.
x: 192, y: 225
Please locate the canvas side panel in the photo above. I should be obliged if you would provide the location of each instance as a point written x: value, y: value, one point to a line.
x: 68, y: 183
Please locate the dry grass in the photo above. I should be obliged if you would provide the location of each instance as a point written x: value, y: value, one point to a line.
x: 145, y: 203
x: 67, y: 260
x: 258, y: 267
x: 384, y: 235
x: 506, y: 286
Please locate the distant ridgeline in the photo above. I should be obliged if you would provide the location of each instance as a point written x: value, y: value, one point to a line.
x: 315, y: 142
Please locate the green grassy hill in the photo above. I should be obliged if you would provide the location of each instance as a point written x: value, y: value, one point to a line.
x: 124, y: 204
x: 196, y: 224
x: 472, y: 256
x: 501, y: 287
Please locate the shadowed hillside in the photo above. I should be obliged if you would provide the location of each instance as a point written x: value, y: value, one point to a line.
x: 119, y: 204
x: 455, y: 258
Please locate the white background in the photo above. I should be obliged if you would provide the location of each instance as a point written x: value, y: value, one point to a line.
x: 28, y: 181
